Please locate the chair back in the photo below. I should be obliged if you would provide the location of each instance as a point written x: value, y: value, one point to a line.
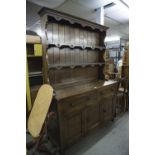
x: 123, y: 83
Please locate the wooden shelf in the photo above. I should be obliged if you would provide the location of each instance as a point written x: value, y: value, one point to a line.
x: 32, y: 39
x: 54, y: 15
x: 33, y: 56
x: 60, y: 66
x: 113, y: 57
x: 74, y: 61
x: 62, y: 45
x: 35, y: 74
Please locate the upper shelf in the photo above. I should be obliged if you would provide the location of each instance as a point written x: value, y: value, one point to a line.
x: 60, y: 66
x: 61, y: 45
x: 53, y: 14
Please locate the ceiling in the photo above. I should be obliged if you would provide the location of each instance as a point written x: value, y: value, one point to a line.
x: 116, y: 14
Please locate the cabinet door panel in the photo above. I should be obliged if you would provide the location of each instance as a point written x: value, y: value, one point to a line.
x: 106, y: 108
x: 92, y: 112
x: 93, y: 118
x: 74, y: 127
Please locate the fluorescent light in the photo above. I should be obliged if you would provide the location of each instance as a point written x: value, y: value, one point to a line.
x: 112, y: 38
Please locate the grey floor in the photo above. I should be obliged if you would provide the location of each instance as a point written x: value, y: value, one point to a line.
x: 110, y: 140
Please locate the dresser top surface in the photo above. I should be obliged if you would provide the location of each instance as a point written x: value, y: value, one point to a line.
x: 62, y: 93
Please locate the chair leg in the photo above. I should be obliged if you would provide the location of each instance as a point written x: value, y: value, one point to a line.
x: 118, y: 100
x: 127, y: 102
x: 122, y: 103
x: 124, y: 96
x: 114, y: 106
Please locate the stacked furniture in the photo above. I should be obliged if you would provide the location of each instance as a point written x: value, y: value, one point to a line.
x: 125, y: 68
x: 125, y: 74
x: 123, y: 88
x: 73, y: 53
x: 34, y: 63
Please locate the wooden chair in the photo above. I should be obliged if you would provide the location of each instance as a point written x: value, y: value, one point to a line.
x: 122, y: 95
x: 38, y: 118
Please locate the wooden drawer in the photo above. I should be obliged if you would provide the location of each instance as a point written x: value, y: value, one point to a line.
x: 72, y: 105
x: 92, y: 99
x: 110, y: 90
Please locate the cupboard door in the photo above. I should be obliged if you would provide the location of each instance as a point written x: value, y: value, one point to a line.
x: 92, y: 116
x: 92, y: 112
x: 106, y: 108
x: 74, y: 127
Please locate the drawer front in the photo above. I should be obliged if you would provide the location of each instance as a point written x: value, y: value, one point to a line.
x: 110, y: 90
x: 92, y: 99
x: 72, y: 105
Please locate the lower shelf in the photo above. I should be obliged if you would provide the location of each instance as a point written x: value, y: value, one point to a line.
x: 36, y: 78
x: 36, y: 73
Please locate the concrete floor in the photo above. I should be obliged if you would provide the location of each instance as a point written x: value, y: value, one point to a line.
x: 110, y: 140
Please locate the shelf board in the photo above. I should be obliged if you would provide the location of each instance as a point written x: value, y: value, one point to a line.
x: 62, y: 45
x: 113, y: 57
x: 32, y: 39
x: 60, y: 66
x: 33, y: 56
x: 35, y: 74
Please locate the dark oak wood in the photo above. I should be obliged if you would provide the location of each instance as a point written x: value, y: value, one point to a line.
x: 84, y: 107
x: 70, y: 41
x: 71, y: 19
x: 73, y: 64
